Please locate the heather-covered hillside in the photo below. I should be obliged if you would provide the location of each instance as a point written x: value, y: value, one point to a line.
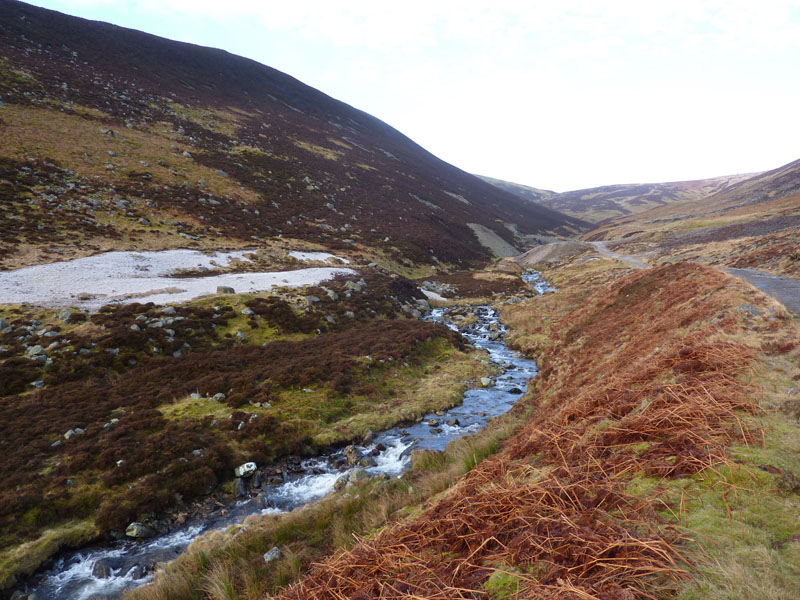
x: 124, y: 139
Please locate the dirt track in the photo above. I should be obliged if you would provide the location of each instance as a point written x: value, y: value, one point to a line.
x: 626, y: 258
x: 785, y: 289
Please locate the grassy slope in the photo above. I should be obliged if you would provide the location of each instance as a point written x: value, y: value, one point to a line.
x: 657, y: 456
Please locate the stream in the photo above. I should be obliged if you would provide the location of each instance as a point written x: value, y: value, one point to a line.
x: 106, y: 571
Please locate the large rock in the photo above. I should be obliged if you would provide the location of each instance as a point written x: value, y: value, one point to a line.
x: 359, y: 476
x: 105, y: 567
x: 239, y: 487
x: 245, y: 470
x: 36, y: 353
x: 486, y: 382
x: 341, y: 483
x: 224, y: 289
x: 3, y: 323
x: 352, y: 456
x: 139, y: 530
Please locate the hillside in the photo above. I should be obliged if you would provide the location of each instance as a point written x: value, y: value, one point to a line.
x: 523, y: 191
x: 128, y: 140
x: 613, y: 201
x: 752, y: 223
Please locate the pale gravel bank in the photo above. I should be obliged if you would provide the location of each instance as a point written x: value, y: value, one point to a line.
x: 124, y: 277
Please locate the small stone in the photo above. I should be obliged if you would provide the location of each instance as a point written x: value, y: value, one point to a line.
x: 135, y: 327
x: 248, y: 312
x: 222, y: 173
x: 273, y: 554
x: 169, y: 310
x: 436, y: 430
x: 224, y: 289
x: 219, y: 397
x: 341, y: 483
x: 139, y: 530
x: 38, y: 384
x: 3, y: 323
x: 65, y: 315
x: 245, y: 470
x: 515, y: 390
x: 367, y: 462
x: 432, y: 423
x: 486, y: 382
x: 454, y: 423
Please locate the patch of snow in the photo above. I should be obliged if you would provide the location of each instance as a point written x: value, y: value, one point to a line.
x: 125, y: 277
x: 434, y: 296
x: 322, y: 256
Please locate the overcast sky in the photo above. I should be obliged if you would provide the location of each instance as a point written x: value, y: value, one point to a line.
x: 559, y: 94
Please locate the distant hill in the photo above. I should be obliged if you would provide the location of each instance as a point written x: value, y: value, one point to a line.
x: 128, y: 140
x: 523, y: 191
x: 612, y: 201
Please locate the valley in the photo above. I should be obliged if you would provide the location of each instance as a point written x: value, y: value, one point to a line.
x: 256, y: 343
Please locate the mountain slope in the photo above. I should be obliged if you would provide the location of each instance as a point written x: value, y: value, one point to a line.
x: 131, y: 140
x: 523, y: 191
x: 613, y: 201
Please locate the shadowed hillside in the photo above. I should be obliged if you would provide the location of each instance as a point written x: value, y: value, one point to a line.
x: 131, y: 140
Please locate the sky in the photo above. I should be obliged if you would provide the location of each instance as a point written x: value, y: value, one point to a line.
x: 555, y: 94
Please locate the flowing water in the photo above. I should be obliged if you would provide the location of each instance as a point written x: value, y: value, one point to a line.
x: 127, y: 563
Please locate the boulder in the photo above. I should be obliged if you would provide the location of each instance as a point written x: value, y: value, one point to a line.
x: 168, y: 310
x: 224, y: 289
x: 65, y: 315
x: 248, y: 312
x: 239, y: 487
x: 359, y: 476
x: 369, y: 437
x: 139, y: 530
x: 36, y: 352
x: 515, y: 390
x: 105, y: 567
x: 341, y: 483
x: 486, y: 382
x: 432, y: 423
x: 245, y: 470
x: 368, y: 462
x: 351, y: 454
x: 273, y: 554
x: 453, y: 423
